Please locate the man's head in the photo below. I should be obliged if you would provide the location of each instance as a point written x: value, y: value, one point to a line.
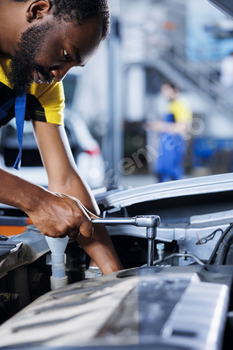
x: 59, y: 34
x: 169, y: 90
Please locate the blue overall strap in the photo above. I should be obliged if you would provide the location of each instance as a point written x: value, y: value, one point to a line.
x: 6, y: 107
x: 20, y: 109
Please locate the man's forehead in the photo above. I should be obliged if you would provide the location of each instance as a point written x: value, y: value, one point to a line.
x: 84, y: 40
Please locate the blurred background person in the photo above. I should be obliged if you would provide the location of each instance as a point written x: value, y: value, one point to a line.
x: 173, y: 134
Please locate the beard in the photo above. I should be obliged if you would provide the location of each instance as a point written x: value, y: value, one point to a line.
x: 24, y: 59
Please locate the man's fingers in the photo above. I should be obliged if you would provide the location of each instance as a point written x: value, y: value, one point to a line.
x: 87, y: 211
x: 65, y: 216
x: 86, y: 229
x: 73, y: 235
x: 93, y: 215
x: 62, y: 236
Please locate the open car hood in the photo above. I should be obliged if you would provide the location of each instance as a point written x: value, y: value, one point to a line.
x: 171, y: 189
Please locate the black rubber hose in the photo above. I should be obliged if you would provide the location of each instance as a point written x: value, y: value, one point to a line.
x: 229, y: 257
x: 224, y: 249
x: 221, y: 254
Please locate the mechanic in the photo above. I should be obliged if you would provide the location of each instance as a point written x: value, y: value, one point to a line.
x: 40, y: 40
x: 173, y: 134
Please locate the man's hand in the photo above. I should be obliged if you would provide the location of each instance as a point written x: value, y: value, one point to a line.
x: 59, y: 215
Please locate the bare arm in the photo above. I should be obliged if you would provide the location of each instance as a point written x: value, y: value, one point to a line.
x: 162, y: 126
x: 13, y: 192
x: 64, y: 178
x: 44, y: 207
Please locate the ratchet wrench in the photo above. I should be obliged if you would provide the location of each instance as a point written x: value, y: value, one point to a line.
x: 151, y: 222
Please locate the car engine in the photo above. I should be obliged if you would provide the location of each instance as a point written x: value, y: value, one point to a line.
x: 175, y: 241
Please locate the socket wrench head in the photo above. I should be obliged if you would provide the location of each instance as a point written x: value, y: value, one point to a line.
x: 147, y: 220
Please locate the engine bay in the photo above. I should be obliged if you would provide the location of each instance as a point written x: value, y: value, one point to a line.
x: 185, y: 282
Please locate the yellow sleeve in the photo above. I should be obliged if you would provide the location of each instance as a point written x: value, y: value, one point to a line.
x: 44, y: 102
x: 52, y: 99
x: 181, y: 111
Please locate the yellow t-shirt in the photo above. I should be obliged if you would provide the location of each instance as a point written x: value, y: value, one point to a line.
x: 44, y: 102
x: 181, y: 110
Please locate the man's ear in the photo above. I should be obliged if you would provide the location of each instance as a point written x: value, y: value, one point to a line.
x: 37, y: 9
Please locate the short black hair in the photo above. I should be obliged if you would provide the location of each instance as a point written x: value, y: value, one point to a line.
x: 79, y: 11
x: 171, y: 84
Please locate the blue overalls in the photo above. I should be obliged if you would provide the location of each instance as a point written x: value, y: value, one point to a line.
x: 20, y: 108
x: 170, y: 163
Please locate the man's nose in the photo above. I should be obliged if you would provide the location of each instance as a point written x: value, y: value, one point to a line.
x: 59, y: 72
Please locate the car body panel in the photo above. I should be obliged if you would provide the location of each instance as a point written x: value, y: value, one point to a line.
x: 135, y: 307
x: 158, y: 191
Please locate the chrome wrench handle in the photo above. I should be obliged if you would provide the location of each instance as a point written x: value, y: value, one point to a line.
x: 151, y: 222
